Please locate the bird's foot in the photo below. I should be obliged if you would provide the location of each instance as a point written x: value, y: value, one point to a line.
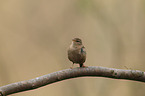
x: 84, y: 66
x: 71, y: 67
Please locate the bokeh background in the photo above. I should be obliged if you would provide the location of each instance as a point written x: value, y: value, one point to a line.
x: 35, y: 35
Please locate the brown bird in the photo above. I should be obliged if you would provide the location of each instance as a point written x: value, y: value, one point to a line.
x: 76, y: 52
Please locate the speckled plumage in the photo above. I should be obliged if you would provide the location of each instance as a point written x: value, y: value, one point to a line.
x: 76, y: 52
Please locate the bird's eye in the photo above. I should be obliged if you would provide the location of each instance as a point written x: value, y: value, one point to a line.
x: 77, y: 41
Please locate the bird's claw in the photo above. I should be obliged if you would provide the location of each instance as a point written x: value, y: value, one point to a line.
x: 84, y: 66
x: 71, y: 67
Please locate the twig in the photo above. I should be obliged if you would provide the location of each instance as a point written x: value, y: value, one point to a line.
x: 134, y: 75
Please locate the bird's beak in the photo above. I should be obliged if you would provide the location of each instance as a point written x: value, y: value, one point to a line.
x: 73, y: 40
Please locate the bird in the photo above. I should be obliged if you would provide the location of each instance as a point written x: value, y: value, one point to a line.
x: 77, y: 52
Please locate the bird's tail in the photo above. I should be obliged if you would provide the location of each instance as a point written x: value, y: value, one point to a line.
x: 81, y: 65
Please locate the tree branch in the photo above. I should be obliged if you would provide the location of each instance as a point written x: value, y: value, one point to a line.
x: 134, y: 75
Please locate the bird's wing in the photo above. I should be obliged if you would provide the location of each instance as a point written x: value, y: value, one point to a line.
x: 83, y: 50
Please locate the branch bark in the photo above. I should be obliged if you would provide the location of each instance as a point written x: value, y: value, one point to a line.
x: 134, y: 75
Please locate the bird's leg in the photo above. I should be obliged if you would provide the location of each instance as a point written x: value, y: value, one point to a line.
x: 72, y: 66
x: 82, y: 65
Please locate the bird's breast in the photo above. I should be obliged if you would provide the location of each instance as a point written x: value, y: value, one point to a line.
x: 76, y: 56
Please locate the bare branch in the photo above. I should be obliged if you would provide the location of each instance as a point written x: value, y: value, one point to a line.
x: 72, y: 73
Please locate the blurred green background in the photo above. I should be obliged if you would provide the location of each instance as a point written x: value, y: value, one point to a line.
x: 35, y: 35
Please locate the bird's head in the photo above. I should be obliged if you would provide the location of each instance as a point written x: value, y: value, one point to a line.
x: 77, y: 41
